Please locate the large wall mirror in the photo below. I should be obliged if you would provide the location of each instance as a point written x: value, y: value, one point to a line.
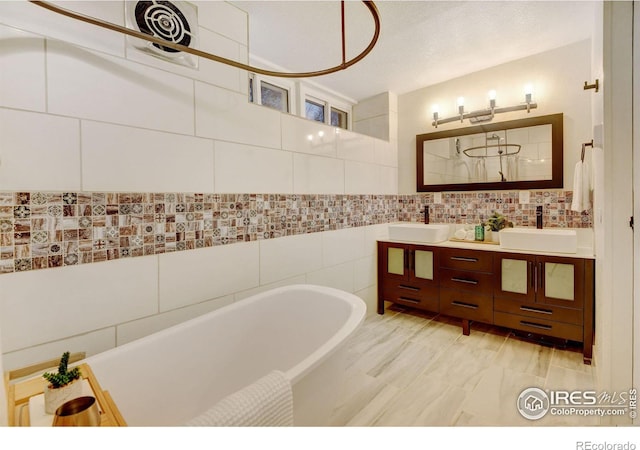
x: 518, y: 154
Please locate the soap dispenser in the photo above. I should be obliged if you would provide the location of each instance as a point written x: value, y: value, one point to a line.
x: 480, y: 231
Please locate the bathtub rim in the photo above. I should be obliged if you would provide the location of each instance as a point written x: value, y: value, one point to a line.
x: 338, y: 339
x: 301, y: 368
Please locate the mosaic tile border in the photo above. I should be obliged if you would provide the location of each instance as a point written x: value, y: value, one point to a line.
x: 40, y: 230
x: 473, y: 207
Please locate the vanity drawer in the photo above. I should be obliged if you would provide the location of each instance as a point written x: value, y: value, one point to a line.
x: 466, y: 305
x: 539, y: 326
x: 477, y: 282
x: 476, y: 260
x: 416, y: 296
x: 539, y: 311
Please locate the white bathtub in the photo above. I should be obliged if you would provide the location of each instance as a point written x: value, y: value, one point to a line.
x: 176, y: 374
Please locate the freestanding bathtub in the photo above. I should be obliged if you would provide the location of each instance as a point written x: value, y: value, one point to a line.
x: 171, y: 376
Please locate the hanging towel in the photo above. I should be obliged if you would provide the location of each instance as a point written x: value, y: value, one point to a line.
x: 266, y: 403
x: 581, y: 187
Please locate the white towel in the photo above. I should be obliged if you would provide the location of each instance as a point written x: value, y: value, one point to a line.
x: 581, y: 187
x: 266, y: 403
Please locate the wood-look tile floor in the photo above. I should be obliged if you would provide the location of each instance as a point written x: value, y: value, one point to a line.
x: 408, y: 368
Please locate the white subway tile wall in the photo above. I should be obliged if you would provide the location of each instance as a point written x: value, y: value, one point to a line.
x: 91, y: 85
x: 317, y: 174
x: 39, y: 151
x: 48, y: 305
x: 257, y: 169
x: 22, y: 60
x: 187, y: 278
x: 119, y: 158
x: 290, y: 256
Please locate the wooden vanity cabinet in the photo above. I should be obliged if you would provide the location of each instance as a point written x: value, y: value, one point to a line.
x: 540, y: 295
x: 407, y: 275
x: 546, y: 295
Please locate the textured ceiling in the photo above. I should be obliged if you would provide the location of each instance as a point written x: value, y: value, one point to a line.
x: 421, y: 42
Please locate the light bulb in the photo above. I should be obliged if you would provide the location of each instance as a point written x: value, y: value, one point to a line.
x: 492, y: 98
x: 460, y: 101
x: 528, y: 92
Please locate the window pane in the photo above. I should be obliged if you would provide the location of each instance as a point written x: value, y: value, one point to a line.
x: 274, y: 97
x: 251, y: 90
x: 314, y: 111
x: 338, y: 118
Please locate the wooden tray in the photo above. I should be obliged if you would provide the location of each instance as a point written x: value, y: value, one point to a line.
x: 473, y: 242
x: 19, y: 394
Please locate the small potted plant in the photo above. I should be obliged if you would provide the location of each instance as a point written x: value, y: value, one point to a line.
x: 63, y: 386
x: 497, y: 222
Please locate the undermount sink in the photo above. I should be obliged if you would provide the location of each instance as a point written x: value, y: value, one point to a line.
x: 419, y: 232
x: 543, y: 240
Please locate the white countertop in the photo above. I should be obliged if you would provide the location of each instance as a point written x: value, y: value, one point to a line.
x: 585, y: 244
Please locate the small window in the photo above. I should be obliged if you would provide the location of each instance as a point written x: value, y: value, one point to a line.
x: 314, y: 110
x: 338, y: 118
x: 274, y: 96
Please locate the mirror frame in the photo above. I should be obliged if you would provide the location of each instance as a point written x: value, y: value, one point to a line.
x: 557, y: 154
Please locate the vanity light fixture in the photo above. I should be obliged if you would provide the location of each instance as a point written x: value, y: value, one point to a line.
x: 461, y: 108
x: 435, y: 109
x: 485, y: 115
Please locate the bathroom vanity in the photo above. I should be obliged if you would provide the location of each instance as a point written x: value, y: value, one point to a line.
x: 544, y: 295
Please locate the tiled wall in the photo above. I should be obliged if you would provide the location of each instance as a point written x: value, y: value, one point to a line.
x: 474, y: 207
x: 40, y: 230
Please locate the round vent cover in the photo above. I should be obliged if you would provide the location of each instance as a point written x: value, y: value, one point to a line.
x: 171, y: 21
x: 164, y: 20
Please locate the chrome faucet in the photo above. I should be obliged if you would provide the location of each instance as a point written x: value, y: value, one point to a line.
x: 539, y: 217
x: 426, y: 214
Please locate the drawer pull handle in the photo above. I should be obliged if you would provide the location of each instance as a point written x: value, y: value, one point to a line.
x: 464, y: 280
x: 464, y: 305
x: 535, y: 325
x: 462, y: 258
x: 409, y: 288
x: 410, y: 300
x: 535, y: 310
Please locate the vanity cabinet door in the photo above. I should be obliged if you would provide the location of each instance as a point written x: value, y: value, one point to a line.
x: 406, y: 262
x: 393, y: 261
x: 407, y: 275
x: 561, y: 281
x: 515, y: 276
x: 550, y: 280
